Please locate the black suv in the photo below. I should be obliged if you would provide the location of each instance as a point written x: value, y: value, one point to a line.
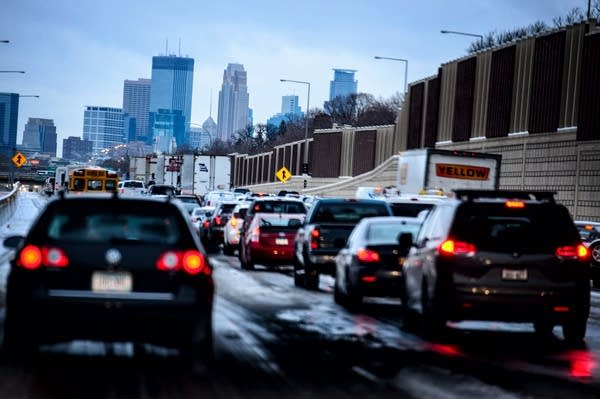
x: 216, y: 225
x: 500, y: 255
x: 111, y: 269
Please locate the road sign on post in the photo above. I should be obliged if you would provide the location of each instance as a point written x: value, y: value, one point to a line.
x: 283, y: 174
x: 19, y: 159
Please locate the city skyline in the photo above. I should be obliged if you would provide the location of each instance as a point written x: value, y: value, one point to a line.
x: 80, y: 61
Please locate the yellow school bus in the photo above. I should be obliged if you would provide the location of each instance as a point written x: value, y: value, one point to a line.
x: 93, y: 180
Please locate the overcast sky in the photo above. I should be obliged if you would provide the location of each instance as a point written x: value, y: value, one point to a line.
x: 79, y: 52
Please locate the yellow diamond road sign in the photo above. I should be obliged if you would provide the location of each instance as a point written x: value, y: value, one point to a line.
x: 19, y: 159
x: 283, y: 174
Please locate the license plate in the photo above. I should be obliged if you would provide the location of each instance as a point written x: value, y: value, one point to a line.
x: 281, y: 241
x: 111, y: 282
x: 517, y: 275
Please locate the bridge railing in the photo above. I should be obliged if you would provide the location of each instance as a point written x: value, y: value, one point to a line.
x: 8, y: 203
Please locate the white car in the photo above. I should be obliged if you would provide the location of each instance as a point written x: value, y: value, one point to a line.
x: 134, y: 188
x: 231, y: 233
x: 199, y: 214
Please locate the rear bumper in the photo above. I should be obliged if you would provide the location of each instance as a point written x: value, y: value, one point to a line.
x: 272, y: 255
x: 377, y: 282
x: 159, y: 318
x: 467, y: 302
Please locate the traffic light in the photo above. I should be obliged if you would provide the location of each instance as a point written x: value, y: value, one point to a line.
x: 304, y: 168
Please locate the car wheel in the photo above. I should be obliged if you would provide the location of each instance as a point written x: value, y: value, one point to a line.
x: 245, y: 263
x: 311, y: 276
x: 595, y: 252
x: 574, y: 329
x: 298, y: 277
x: 353, y: 298
x: 433, y: 321
x: 18, y: 344
x: 198, y: 347
x: 338, y: 297
x: 543, y: 328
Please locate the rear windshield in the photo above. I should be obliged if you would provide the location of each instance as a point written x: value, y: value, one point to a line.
x: 163, y: 190
x: 279, y: 207
x: 110, y: 226
x: 388, y: 233
x: 266, y: 221
x: 531, y: 229
x: 349, y: 212
x: 410, y: 209
x: 133, y: 184
x: 227, y: 208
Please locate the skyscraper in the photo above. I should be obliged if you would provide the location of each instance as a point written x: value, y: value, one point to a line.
x: 103, y: 126
x: 233, y: 102
x: 9, y: 113
x: 170, y: 100
x: 289, y: 110
x: 40, y: 136
x: 136, y: 105
x: 343, y: 83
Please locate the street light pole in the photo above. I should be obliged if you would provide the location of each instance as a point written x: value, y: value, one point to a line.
x: 305, y: 164
x: 405, y: 68
x: 464, y: 34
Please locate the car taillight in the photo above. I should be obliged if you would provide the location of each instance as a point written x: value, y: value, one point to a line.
x: 192, y: 262
x: 33, y: 257
x: 315, y: 234
x: 206, y: 223
x: 54, y: 257
x: 255, y: 236
x: 30, y: 257
x: 367, y: 255
x: 451, y: 247
x: 514, y: 204
x: 218, y: 220
x: 234, y: 222
x: 571, y: 251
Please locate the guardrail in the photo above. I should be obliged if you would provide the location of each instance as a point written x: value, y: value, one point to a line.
x: 8, y: 203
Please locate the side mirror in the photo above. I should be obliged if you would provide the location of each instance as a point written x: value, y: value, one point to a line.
x: 13, y: 241
x: 405, y: 240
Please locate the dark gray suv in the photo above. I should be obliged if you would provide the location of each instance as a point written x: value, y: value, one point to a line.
x: 500, y: 255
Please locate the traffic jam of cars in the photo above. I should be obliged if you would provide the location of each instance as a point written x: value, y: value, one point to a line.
x: 137, y: 265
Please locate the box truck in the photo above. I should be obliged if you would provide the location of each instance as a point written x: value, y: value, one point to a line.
x: 428, y: 170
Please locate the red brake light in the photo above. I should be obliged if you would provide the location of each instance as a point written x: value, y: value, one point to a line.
x: 54, y: 257
x: 451, y: 247
x: 193, y: 262
x: 218, y: 220
x: 206, y: 223
x: 570, y: 251
x: 314, y: 238
x: 368, y: 255
x: 30, y: 257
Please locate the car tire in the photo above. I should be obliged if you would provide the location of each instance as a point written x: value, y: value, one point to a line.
x: 198, y: 351
x: 574, y: 329
x: 18, y: 344
x: 298, y: 278
x: 543, y: 328
x: 433, y: 321
x: 311, y: 276
x: 353, y: 298
x: 595, y: 253
x: 338, y: 297
x: 244, y: 263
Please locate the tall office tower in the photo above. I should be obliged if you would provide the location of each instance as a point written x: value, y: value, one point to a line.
x: 211, y: 127
x: 289, y: 105
x: 170, y: 101
x: 9, y: 114
x: 40, y: 136
x: 103, y: 126
x: 343, y: 83
x: 76, y: 149
x: 289, y: 110
x: 136, y: 105
x: 233, y: 102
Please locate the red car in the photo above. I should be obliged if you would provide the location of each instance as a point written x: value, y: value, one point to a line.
x: 269, y: 240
